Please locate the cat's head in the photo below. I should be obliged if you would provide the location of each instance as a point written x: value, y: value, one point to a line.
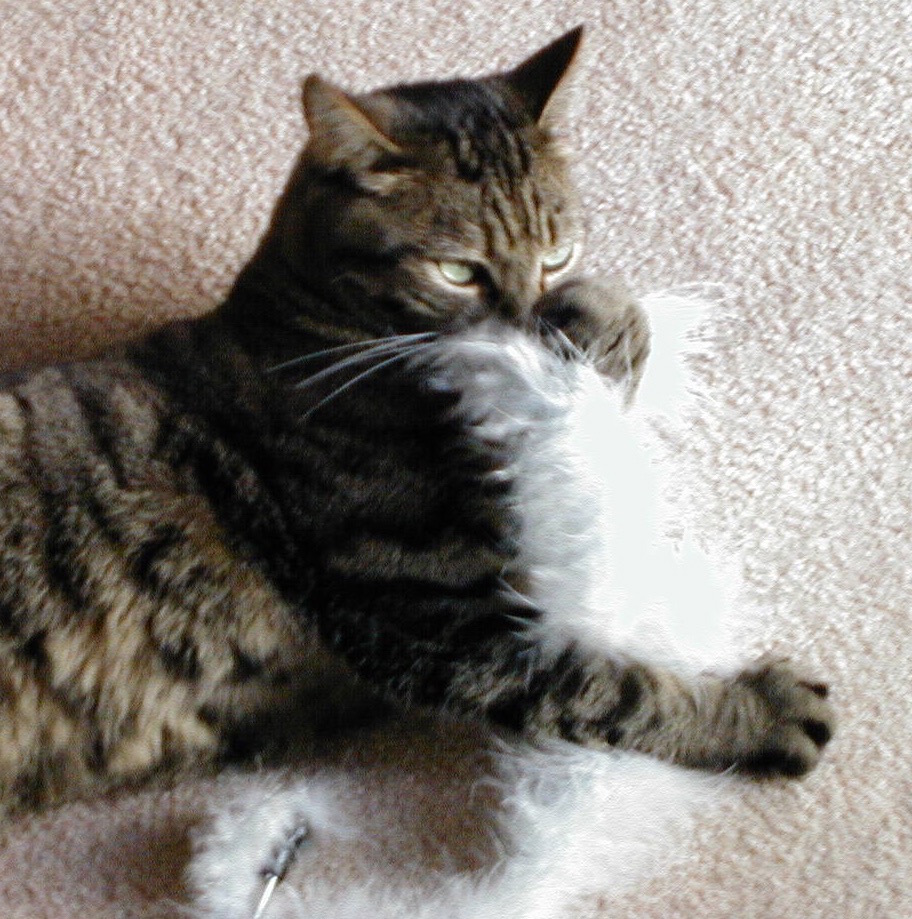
x: 429, y: 206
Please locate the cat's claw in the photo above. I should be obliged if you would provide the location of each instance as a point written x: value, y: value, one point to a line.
x: 799, y: 720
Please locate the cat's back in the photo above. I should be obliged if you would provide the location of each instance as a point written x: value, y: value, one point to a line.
x: 129, y: 630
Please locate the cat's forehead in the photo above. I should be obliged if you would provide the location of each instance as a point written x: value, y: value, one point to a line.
x: 469, y: 127
x: 491, y: 177
x: 440, y: 104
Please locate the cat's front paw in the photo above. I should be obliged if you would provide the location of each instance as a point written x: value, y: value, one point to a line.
x: 604, y: 321
x: 792, y: 720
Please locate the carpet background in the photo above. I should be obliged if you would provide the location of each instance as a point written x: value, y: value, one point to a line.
x: 763, y: 145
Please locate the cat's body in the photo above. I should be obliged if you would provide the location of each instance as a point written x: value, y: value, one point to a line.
x: 183, y: 526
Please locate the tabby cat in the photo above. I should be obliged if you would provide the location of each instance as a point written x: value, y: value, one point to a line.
x: 187, y: 521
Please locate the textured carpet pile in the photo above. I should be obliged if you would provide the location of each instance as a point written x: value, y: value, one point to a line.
x: 762, y: 145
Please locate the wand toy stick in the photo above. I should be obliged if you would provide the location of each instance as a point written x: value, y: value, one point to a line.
x: 283, y: 861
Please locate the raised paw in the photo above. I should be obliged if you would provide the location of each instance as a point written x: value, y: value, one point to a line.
x: 603, y: 321
x: 791, y: 720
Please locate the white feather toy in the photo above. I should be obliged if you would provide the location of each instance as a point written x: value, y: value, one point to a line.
x: 595, y: 488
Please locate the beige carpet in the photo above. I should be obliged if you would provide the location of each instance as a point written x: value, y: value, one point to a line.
x: 764, y: 144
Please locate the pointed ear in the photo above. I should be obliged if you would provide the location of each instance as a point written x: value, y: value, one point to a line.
x: 344, y: 131
x: 541, y: 81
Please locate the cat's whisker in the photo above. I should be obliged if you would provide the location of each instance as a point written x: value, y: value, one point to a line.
x: 563, y: 341
x: 515, y: 595
x: 547, y: 330
x: 350, y: 346
x: 569, y: 344
x: 359, y: 358
x: 408, y: 352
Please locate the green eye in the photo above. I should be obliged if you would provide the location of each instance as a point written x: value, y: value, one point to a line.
x: 558, y: 257
x: 460, y: 273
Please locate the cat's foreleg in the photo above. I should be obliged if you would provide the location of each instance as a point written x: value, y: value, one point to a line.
x: 768, y: 719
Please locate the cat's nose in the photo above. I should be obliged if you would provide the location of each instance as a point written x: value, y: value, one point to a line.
x: 517, y: 302
x: 517, y: 311
x: 514, y: 309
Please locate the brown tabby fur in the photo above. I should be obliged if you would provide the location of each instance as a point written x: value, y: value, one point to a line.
x: 187, y: 539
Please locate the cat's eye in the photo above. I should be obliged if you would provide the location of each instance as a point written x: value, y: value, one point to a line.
x: 459, y: 273
x: 558, y: 257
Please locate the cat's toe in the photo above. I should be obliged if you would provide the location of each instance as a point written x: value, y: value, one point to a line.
x: 604, y: 321
x: 796, y: 721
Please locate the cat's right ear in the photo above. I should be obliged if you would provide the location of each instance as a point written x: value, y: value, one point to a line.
x: 344, y: 131
x: 541, y: 81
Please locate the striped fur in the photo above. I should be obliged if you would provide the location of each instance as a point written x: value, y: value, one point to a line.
x: 196, y: 528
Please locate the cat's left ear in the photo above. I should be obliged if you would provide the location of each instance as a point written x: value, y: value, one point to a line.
x: 541, y: 81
